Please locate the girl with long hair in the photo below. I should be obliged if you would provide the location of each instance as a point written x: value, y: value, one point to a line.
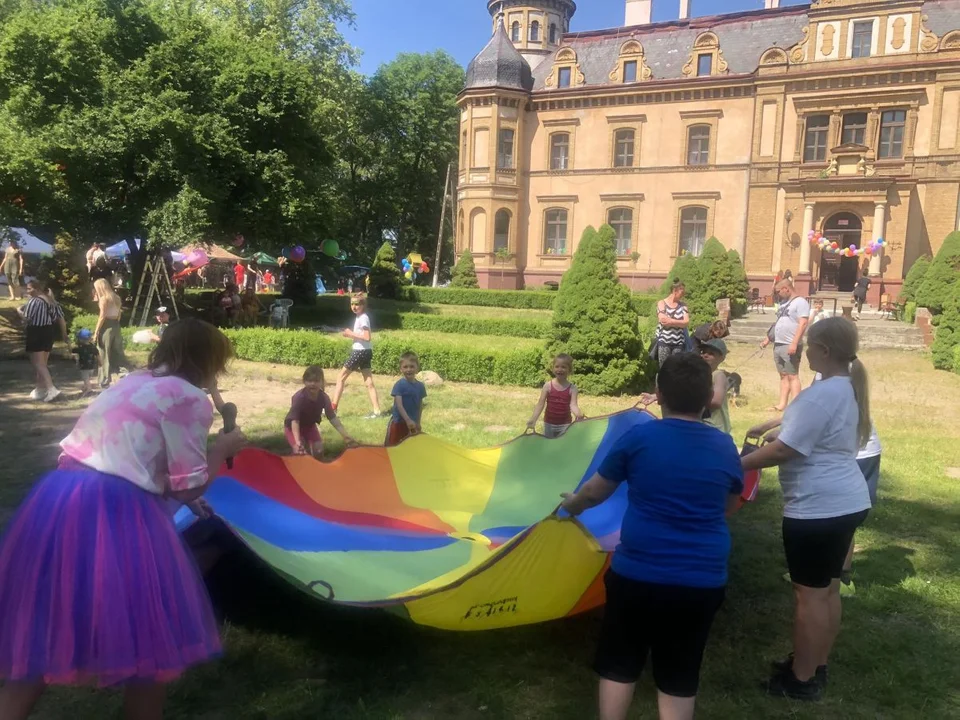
x: 107, y: 333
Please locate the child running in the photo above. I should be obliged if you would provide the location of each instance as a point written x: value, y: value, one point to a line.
x: 559, y: 396
x: 408, y: 394
x: 307, y: 407
x: 714, y: 351
x: 88, y: 358
x: 361, y: 358
x: 95, y: 583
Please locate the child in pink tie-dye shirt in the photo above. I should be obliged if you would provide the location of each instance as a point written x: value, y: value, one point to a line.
x: 95, y: 583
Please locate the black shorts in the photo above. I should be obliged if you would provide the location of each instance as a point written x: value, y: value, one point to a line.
x: 669, y: 622
x: 39, y: 338
x: 359, y: 360
x: 816, y: 549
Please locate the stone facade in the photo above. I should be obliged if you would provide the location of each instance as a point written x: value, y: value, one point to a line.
x: 841, y: 117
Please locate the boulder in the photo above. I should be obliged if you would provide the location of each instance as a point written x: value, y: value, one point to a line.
x: 429, y: 377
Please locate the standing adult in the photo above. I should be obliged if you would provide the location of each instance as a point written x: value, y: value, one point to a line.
x: 251, y: 276
x: 861, y: 290
x: 13, y: 267
x: 673, y: 319
x: 787, y: 337
x: 825, y: 497
x: 90, y: 256
x: 107, y: 333
x: 669, y: 573
x: 43, y: 317
x: 239, y: 273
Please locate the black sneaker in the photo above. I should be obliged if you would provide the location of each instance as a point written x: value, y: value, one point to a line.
x: 785, y: 684
x: 781, y: 666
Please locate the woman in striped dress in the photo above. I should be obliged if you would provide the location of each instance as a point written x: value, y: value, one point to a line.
x: 43, y: 317
x: 673, y: 319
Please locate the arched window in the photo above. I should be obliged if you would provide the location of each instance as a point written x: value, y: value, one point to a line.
x: 501, y: 230
x: 535, y: 31
x: 693, y: 230
x: 555, y: 232
x: 560, y: 151
x: 515, y: 31
x: 554, y: 34
x: 621, y: 220
x: 478, y: 231
x: 623, y: 144
x: 698, y: 145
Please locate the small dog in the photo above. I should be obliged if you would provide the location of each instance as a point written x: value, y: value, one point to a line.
x: 734, y: 383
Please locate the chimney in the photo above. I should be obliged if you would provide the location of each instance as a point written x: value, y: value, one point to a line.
x: 771, y: 4
x: 684, y: 9
x: 639, y: 12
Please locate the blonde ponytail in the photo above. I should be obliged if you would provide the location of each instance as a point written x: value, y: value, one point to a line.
x: 861, y: 391
x: 841, y: 338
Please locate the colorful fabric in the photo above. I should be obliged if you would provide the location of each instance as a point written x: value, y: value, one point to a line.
x: 151, y: 431
x: 97, y: 587
x: 679, y: 476
x: 411, y: 394
x: 451, y: 537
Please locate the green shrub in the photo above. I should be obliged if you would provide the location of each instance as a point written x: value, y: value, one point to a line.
x: 741, y: 285
x: 910, y: 312
x: 956, y: 359
x: 915, y: 278
x: 948, y: 331
x: 942, y: 275
x: 516, y: 299
x: 594, y: 320
x: 65, y: 272
x: 464, y: 272
x: 459, y: 364
x: 643, y: 304
x: 300, y: 282
x: 385, y: 277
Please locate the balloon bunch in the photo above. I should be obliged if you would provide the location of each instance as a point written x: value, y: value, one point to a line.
x: 412, y: 269
x: 295, y: 254
x: 832, y: 246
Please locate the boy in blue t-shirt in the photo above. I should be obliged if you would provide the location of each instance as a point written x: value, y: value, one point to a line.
x: 669, y: 573
x: 408, y: 394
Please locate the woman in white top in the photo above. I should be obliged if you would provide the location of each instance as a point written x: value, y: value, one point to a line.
x: 825, y: 496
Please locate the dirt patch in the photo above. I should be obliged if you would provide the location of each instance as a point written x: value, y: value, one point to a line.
x: 498, y: 428
x: 953, y: 473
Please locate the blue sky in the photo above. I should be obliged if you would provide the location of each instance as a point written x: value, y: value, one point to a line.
x: 462, y: 27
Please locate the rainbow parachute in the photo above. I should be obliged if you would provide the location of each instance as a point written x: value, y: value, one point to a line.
x: 453, y: 538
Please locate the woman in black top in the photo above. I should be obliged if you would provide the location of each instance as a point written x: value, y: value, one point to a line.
x: 42, y: 317
x: 860, y: 291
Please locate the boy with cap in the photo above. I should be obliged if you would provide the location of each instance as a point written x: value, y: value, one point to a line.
x: 714, y: 352
x: 163, y: 319
x: 88, y: 358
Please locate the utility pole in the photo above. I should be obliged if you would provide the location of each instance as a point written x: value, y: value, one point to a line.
x: 447, y: 198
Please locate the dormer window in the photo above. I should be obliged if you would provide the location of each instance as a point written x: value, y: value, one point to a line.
x: 566, y: 72
x: 630, y: 71
x: 515, y: 31
x: 563, y: 77
x: 535, y: 31
x: 704, y: 65
x: 862, y: 39
x: 631, y: 66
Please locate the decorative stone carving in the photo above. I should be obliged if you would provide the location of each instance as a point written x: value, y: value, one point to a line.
x: 774, y: 56
x: 827, y: 47
x: 951, y: 41
x: 899, y: 34
x: 798, y: 52
x: 706, y: 43
x: 929, y: 42
x: 567, y: 57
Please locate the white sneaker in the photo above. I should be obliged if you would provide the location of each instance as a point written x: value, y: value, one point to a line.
x: 123, y: 372
x: 36, y: 394
x: 52, y: 395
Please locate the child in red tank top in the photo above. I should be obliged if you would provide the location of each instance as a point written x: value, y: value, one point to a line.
x: 559, y: 396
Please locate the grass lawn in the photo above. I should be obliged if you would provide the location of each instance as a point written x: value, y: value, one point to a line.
x: 290, y: 657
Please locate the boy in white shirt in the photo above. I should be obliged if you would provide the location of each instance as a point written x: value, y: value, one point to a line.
x: 361, y: 357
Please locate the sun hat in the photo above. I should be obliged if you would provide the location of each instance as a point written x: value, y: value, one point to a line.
x: 716, y: 344
x: 161, y: 309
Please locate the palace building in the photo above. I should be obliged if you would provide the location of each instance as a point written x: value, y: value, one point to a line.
x: 841, y: 117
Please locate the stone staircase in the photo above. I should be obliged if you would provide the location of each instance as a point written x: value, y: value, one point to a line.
x: 876, y: 333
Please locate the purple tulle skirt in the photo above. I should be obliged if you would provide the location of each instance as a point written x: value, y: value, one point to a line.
x: 96, y: 586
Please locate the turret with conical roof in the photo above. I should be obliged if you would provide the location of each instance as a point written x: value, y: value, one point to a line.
x: 534, y: 27
x: 499, y: 64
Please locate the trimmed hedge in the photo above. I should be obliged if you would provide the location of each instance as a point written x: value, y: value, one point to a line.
x: 956, y: 359
x: 459, y: 364
x: 525, y: 300
x: 910, y: 312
